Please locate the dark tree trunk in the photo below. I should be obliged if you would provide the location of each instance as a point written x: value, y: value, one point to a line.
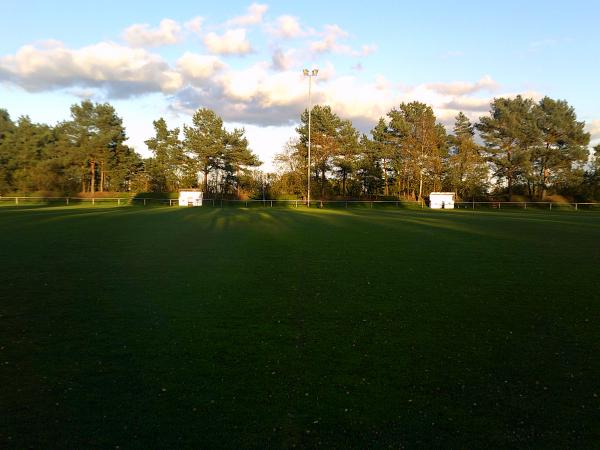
x: 93, y: 176
x: 545, y: 176
x: 102, y: 176
x: 386, y: 191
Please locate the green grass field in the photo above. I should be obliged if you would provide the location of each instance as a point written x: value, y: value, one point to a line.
x: 279, y: 328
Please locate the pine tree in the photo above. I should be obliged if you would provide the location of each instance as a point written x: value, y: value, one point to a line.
x: 238, y: 157
x: 563, y: 144
x: 325, y: 127
x: 205, y: 142
x: 384, y: 149
x: 510, y: 134
x: 167, y: 165
x: 467, y: 170
x: 419, y: 146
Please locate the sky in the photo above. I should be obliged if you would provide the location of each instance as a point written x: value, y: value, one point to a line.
x: 244, y: 60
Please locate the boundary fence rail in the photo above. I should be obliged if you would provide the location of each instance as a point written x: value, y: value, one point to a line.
x: 146, y: 201
x: 524, y: 205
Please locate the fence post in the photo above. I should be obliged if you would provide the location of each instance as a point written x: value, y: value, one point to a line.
x: 550, y: 206
x: 67, y: 200
x: 17, y: 201
x: 296, y: 203
x: 473, y: 205
x: 118, y: 202
x: 144, y: 202
x: 525, y: 205
x: 93, y: 201
x: 575, y: 206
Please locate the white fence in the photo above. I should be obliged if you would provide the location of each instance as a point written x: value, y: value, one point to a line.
x: 524, y: 205
x: 17, y: 201
x: 90, y: 200
x: 146, y: 201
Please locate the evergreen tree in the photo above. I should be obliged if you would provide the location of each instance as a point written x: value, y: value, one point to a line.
x: 420, y: 146
x: 238, y: 157
x: 205, y: 142
x: 384, y: 149
x: 167, y: 149
x: 510, y: 134
x: 563, y: 147
x: 345, y: 159
x: 325, y: 128
x: 31, y: 146
x: 7, y: 130
x: 97, y: 135
x: 467, y: 170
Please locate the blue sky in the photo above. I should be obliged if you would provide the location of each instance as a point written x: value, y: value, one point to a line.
x: 244, y: 59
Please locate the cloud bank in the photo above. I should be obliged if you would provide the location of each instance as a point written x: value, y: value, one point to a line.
x: 168, y: 32
x: 265, y: 89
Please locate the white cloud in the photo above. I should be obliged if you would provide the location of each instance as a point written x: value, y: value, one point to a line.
x: 232, y: 42
x: 266, y: 93
x: 121, y: 71
x: 593, y: 128
x: 142, y: 35
x: 329, y: 43
x: 283, y: 60
x: 260, y: 96
x: 463, y: 103
x: 286, y: 27
x: 486, y: 83
x: 253, y: 16
x: 258, y: 84
x: 196, y: 67
x: 195, y: 24
x: 365, y: 50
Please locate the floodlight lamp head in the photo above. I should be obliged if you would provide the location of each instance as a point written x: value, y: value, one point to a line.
x: 315, y: 72
x: 305, y: 71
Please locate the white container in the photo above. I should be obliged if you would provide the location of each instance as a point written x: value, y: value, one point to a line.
x: 190, y: 197
x: 441, y: 200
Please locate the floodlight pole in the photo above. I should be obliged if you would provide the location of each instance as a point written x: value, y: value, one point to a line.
x: 310, y: 75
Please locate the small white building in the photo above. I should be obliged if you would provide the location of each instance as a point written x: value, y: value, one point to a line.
x: 441, y: 200
x: 190, y: 197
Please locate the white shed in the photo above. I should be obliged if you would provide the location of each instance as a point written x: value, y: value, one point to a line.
x: 190, y: 197
x: 441, y: 200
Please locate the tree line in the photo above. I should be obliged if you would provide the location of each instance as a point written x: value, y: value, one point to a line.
x: 88, y: 154
x: 522, y: 147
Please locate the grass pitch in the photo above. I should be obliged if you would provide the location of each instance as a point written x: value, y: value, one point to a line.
x: 279, y: 328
